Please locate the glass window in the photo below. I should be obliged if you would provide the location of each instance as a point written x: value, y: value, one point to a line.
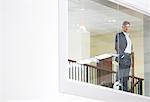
x: 108, y: 46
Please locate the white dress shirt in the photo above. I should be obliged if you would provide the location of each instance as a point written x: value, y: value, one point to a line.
x: 129, y: 43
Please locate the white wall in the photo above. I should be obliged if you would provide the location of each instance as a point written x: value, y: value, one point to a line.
x: 28, y: 52
x: 142, y: 6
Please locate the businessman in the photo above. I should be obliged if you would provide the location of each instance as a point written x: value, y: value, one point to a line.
x: 123, y: 47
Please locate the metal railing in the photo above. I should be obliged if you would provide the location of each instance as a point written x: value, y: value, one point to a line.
x: 137, y: 86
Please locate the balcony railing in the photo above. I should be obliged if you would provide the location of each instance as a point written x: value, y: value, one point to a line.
x: 89, y: 73
x: 98, y: 74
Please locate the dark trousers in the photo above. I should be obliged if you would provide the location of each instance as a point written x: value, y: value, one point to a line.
x: 124, y: 76
x: 123, y: 73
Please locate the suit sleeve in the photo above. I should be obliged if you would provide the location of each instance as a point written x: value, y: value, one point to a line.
x: 118, y: 48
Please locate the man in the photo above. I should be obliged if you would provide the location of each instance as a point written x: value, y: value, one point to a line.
x: 123, y: 46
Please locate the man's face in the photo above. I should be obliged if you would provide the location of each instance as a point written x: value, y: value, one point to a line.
x: 126, y: 28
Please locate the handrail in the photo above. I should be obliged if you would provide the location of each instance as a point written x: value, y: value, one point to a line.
x: 138, y: 78
x: 95, y: 67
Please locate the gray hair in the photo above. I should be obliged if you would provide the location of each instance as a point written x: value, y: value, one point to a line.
x: 125, y: 23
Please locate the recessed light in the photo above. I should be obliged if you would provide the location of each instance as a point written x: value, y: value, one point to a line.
x: 78, y: 25
x: 111, y: 20
x: 82, y: 9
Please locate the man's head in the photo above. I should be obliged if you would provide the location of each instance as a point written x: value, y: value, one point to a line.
x: 126, y: 26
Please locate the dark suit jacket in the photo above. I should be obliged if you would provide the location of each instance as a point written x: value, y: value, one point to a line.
x: 120, y: 46
x: 120, y: 43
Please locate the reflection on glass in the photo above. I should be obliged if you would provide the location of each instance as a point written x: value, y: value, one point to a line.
x: 93, y: 54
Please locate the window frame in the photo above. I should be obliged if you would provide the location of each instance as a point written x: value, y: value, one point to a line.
x: 80, y: 88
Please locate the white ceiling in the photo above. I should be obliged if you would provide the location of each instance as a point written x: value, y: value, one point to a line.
x: 98, y: 18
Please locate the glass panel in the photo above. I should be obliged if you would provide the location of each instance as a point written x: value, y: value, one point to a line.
x: 102, y: 50
x: 146, y: 21
x: 92, y: 28
x: 131, y: 51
